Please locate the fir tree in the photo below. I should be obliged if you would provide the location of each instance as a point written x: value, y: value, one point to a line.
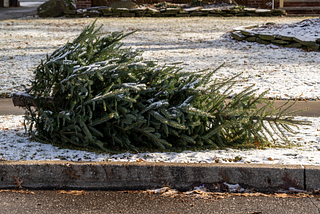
x: 106, y: 96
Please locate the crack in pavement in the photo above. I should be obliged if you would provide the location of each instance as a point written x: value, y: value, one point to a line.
x: 315, y: 205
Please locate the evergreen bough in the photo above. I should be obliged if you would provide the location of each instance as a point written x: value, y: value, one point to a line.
x: 105, y: 96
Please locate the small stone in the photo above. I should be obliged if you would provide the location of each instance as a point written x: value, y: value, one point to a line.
x: 176, y: 9
x: 240, y: 14
x: 157, y: 15
x: 251, y: 39
x: 294, y: 45
x: 216, y: 11
x: 170, y: 11
x: 52, y: 8
x: 207, y: 10
x: 238, y: 36
x: 251, y: 26
x: 107, y: 14
x: 105, y: 10
x: 199, y: 13
x: 250, y: 9
x: 278, y: 12
x: 263, y: 41
x: 182, y: 14
x: 249, y: 33
x: 227, y: 15
x: 233, y: 11
x: 280, y: 42
x: 193, y: 9
x: 128, y: 14
x: 310, y: 44
x: 140, y: 10
x: 268, y: 37
x: 116, y: 14
x: 263, y: 11
x: 315, y: 46
x: 69, y: 12
x: 252, y: 14
x: 152, y: 11
x: 286, y: 38
x: 120, y: 10
x: 93, y: 13
x: 270, y: 23
x: 214, y: 14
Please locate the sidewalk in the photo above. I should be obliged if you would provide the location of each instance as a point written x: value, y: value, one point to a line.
x: 313, y: 108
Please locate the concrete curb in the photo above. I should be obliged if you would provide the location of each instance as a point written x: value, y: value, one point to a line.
x: 144, y: 175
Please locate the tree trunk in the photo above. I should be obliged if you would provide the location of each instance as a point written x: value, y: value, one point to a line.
x: 23, y: 99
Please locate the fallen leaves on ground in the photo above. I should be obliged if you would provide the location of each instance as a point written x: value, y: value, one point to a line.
x: 202, y: 193
x: 72, y: 192
x: 17, y: 191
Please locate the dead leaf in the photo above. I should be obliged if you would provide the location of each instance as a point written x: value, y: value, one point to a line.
x: 257, y: 143
x: 17, y: 182
x: 72, y: 174
x: 289, y: 182
x: 17, y: 191
x: 224, y: 176
x: 72, y: 192
x: 140, y: 160
x: 23, y: 191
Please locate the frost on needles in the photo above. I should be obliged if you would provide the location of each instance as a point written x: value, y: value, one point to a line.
x: 106, y: 96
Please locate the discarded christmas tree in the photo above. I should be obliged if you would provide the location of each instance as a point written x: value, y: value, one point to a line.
x: 92, y: 92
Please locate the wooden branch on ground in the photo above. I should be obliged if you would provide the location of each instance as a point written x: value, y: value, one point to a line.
x: 23, y: 99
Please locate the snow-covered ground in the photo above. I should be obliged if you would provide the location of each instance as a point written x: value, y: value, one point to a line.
x: 198, y: 42
x: 14, y: 145
x: 307, y: 30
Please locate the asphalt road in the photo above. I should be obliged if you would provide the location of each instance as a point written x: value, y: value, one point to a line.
x: 119, y: 202
x: 27, y: 8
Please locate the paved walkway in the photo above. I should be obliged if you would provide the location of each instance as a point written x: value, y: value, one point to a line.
x: 26, y: 9
x: 6, y: 108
